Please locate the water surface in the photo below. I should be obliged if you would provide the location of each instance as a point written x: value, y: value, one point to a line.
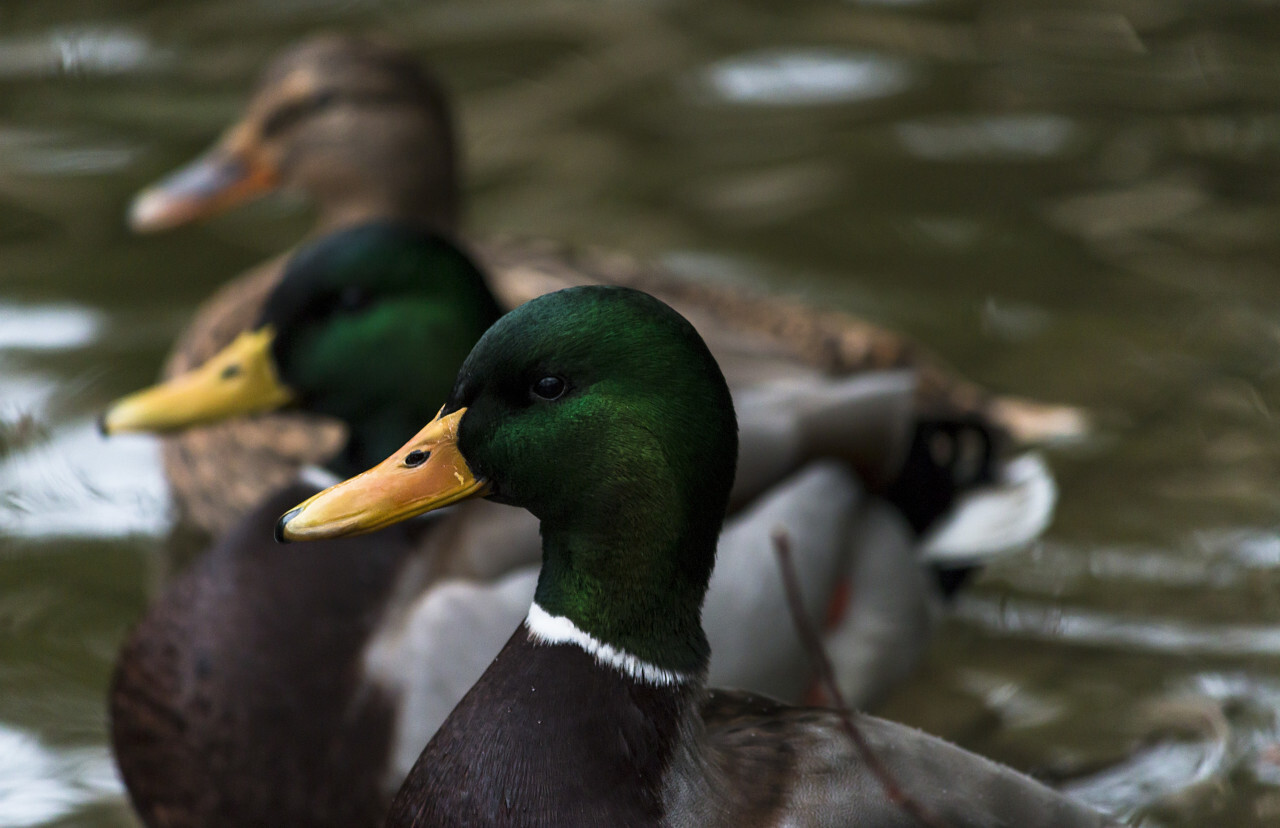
x: 1071, y: 201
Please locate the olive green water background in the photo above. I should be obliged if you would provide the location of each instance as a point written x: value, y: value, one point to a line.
x: 1075, y: 201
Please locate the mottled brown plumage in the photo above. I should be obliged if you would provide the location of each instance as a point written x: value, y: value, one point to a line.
x: 202, y: 739
x: 361, y: 131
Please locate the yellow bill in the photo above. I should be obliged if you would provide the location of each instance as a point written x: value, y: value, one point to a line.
x: 240, y: 379
x: 428, y: 472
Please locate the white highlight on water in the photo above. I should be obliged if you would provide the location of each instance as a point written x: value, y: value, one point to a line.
x: 40, y: 784
x: 79, y: 485
x: 47, y: 327
x: 808, y: 77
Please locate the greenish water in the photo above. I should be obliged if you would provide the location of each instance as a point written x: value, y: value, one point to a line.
x: 1071, y: 201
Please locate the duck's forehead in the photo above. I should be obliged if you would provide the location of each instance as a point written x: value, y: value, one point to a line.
x: 310, y: 56
x: 293, y: 84
x: 574, y: 325
x: 328, y: 64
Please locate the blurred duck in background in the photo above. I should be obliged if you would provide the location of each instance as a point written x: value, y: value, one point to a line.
x: 363, y: 132
x: 264, y: 682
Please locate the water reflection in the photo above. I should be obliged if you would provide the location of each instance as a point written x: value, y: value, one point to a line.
x: 1151, y: 775
x: 77, y: 51
x: 1056, y: 622
x: 39, y: 784
x: 1008, y: 137
x: 60, y: 159
x: 25, y: 395
x: 47, y: 327
x: 805, y: 78
x: 1204, y: 732
x: 1065, y: 202
x: 77, y: 485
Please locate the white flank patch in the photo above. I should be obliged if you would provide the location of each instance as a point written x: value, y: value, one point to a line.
x: 546, y: 628
x: 998, y: 518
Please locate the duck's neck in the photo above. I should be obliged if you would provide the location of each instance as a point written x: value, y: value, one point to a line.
x: 628, y: 587
x: 358, y: 208
x: 422, y: 188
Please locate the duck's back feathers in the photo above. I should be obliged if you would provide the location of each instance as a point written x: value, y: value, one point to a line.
x: 817, y: 508
x: 884, y: 625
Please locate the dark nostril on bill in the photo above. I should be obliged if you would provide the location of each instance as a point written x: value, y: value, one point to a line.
x: 416, y: 458
x: 230, y: 372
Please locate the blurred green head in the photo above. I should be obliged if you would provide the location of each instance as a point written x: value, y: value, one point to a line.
x: 368, y: 325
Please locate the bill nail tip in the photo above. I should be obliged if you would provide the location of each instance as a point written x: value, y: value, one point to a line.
x: 281, y: 537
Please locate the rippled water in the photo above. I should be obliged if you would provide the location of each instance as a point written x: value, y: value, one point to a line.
x: 1073, y: 201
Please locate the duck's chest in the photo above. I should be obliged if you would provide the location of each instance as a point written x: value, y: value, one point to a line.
x: 547, y: 738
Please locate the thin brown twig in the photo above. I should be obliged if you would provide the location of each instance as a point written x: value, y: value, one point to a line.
x: 826, y: 676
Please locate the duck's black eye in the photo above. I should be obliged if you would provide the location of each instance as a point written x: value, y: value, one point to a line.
x: 290, y: 113
x: 230, y: 372
x: 416, y: 458
x: 353, y: 298
x: 548, y: 388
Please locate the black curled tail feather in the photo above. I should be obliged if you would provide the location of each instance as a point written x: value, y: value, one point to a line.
x: 947, y: 457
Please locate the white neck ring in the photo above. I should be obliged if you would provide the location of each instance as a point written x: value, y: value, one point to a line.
x: 545, y: 628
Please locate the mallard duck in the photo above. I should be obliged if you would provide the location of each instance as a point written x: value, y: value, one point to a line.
x: 602, y: 412
x: 297, y: 688
x: 365, y: 133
